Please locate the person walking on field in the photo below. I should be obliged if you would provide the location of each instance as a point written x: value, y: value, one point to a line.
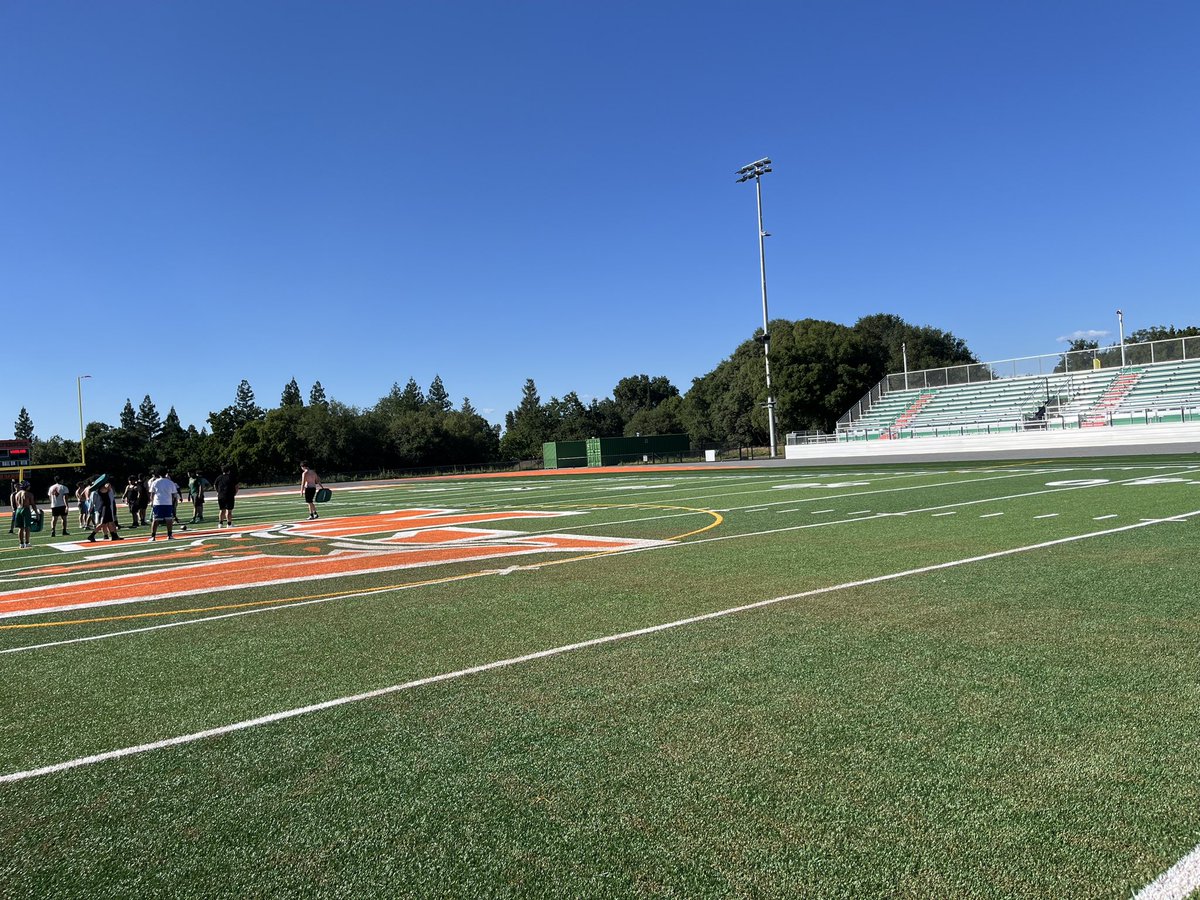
x: 310, y: 483
x: 133, y: 497
x: 60, y: 498
x: 196, y: 494
x: 14, y: 488
x: 143, y: 499
x: 103, y: 501
x: 227, y: 487
x: 82, y: 492
x: 24, y: 509
x: 165, y: 494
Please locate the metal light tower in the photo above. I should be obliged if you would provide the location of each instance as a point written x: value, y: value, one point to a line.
x: 1121, y: 328
x: 756, y: 170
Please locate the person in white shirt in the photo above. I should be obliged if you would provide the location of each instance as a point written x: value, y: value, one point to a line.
x: 60, y: 496
x: 164, y: 494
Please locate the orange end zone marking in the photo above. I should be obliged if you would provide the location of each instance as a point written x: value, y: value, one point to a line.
x: 428, y: 538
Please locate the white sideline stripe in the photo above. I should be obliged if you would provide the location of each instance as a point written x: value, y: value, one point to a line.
x: 1050, y: 516
x: 1102, y: 518
x: 1178, y: 882
x: 991, y: 515
x: 937, y: 515
x: 545, y: 654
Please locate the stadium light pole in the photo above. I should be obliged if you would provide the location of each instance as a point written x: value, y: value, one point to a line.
x: 79, y: 393
x: 1121, y: 329
x: 756, y: 170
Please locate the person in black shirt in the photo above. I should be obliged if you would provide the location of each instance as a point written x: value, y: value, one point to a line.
x: 226, y: 487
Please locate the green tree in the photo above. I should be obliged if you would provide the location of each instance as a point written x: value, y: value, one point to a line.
x: 128, y: 419
x: 437, y: 399
x: 411, y: 398
x: 638, y: 392
x: 665, y: 418
x: 291, y: 395
x: 149, y: 423
x: 527, y: 427
x: 244, y: 406
x: 886, y: 337
x: 172, y: 441
x: 316, y: 396
x: 23, y: 426
x: 55, y: 450
x: 604, y: 418
x: 568, y: 419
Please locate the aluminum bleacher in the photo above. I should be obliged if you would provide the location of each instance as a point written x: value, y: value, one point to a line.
x: 1087, y: 397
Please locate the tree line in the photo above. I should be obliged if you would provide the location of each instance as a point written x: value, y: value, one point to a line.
x: 819, y: 370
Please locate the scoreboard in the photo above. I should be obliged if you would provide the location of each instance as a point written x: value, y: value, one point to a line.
x: 14, y: 454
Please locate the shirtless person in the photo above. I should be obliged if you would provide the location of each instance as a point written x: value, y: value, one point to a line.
x: 24, y: 509
x: 310, y: 481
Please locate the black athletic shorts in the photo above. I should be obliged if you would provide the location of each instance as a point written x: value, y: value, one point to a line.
x: 224, y: 502
x: 309, y: 493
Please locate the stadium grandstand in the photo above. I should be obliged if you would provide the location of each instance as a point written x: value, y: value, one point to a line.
x: 1147, y: 384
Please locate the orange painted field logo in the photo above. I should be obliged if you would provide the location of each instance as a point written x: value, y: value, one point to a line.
x: 260, y: 555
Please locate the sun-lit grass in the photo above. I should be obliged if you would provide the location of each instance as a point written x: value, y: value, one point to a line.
x: 1021, y: 725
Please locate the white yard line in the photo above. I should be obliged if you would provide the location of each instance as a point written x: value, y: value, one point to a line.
x: 1047, y: 516
x: 991, y: 515
x: 247, y: 724
x: 1178, y: 882
x: 938, y: 515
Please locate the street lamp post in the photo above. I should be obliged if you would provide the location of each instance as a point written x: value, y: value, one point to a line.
x: 756, y: 170
x: 1121, y: 328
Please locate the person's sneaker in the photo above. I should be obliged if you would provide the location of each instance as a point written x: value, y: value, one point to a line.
x: 151, y: 540
x: 65, y: 533
x: 92, y: 538
x: 117, y: 537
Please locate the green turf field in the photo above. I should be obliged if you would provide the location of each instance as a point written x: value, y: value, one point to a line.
x: 922, y: 681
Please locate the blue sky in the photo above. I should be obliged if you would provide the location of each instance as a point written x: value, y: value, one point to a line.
x: 362, y: 192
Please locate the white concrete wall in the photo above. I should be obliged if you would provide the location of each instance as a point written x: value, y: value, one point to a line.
x: 1086, y: 441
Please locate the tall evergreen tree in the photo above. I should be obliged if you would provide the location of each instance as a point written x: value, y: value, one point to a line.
x: 527, y: 427
x: 316, y: 396
x: 411, y: 398
x: 437, y: 399
x: 149, y: 422
x: 171, y: 423
x: 244, y: 406
x: 23, y: 427
x: 128, y: 419
x: 291, y: 395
